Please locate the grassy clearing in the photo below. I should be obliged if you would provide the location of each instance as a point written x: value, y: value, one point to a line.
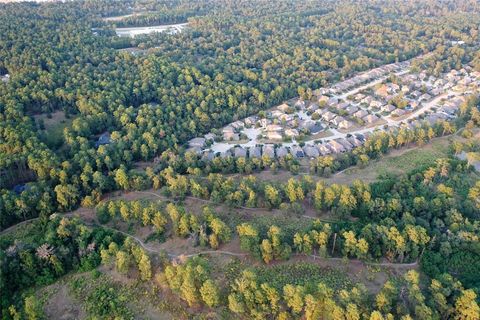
x: 304, y: 274
x: 28, y: 232
x: 395, y: 163
x: 107, y: 294
x: 52, y: 128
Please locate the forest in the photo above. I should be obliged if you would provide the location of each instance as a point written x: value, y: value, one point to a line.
x: 69, y: 210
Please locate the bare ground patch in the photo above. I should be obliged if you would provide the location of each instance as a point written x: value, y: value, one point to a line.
x: 61, y: 305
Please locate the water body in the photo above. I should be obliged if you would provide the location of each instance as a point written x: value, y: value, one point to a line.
x: 136, y: 31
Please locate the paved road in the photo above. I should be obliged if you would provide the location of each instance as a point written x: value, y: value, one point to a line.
x: 337, y: 134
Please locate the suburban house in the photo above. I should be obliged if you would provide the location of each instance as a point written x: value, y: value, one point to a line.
x: 335, y: 146
x: 387, y: 108
x: 337, y: 120
x: 376, y: 104
x: 264, y: 122
x: 300, y: 104
x: 311, y: 126
x: 312, y: 108
x: 347, y: 145
x: 297, y: 152
x: 250, y: 121
x: 274, y: 135
x: 345, y: 124
x: 354, y: 141
x: 323, y: 149
x: 269, y: 151
x: 425, y: 97
x: 311, y: 151
x: 328, y: 116
x: 398, y: 112
x: 360, y: 114
x: 283, y: 107
x: 255, y: 152
x: 277, y: 114
x: 382, y: 91
x: 197, y: 143
x: 281, y: 152
x: 239, y: 152
x: 371, y: 118
x: 208, y: 155
x: 209, y: 137
x: 274, y: 127
x: 351, y: 109
x: 104, y: 139
x: 286, y: 117
x: 237, y: 125
x: 230, y: 134
x: 291, y: 133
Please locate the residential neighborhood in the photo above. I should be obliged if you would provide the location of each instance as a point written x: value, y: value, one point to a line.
x: 340, y: 118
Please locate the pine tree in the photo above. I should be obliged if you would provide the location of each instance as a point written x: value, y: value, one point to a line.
x: 210, y: 293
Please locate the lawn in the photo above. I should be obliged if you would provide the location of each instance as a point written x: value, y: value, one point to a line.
x: 395, y: 163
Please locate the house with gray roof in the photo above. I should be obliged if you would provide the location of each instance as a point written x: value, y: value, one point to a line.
x: 281, y: 152
x: 351, y: 110
x: 208, y: 155
x: 311, y: 151
x: 255, y: 152
x: 347, y: 145
x: 239, y: 152
x: 197, y: 143
x: 354, y: 141
x: 269, y: 150
x: 209, y: 137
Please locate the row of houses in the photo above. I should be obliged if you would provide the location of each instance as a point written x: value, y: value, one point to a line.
x: 272, y: 151
x: 368, y: 76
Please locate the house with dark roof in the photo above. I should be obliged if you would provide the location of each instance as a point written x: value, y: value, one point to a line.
x: 104, y: 139
x: 297, y: 152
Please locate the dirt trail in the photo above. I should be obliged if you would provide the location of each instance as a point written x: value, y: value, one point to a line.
x: 241, y: 254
